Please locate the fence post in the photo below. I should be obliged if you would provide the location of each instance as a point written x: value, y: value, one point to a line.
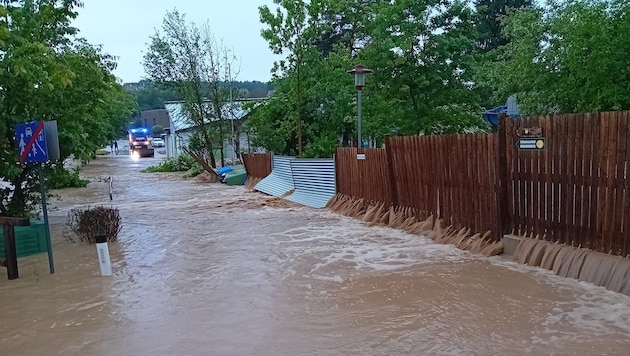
x: 393, y: 193
x: 503, y: 216
x: 10, y: 250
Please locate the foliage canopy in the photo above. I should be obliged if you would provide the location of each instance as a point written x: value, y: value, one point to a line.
x: 421, y: 53
x: 47, y: 73
x: 437, y: 64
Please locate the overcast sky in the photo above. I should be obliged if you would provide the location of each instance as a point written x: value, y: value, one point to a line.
x: 123, y: 27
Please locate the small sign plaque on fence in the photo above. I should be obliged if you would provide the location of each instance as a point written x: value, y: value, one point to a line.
x: 537, y: 143
x: 360, y: 155
x: 529, y: 132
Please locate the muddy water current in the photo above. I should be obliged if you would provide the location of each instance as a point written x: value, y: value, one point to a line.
x: 208, y: 269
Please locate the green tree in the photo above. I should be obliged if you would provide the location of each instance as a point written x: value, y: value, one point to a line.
x: 421, y: 52
x: 313, y: 98
x: 251, y: 89
x: 329, y: 113
x: 151, y: 96
x: 286, y: 31
x: 335, y: 25
x: 490, y: 14
x: 157, y: 130
x: 136, y: 123
x: 45, y: 75
x: 553, y: 51
x: 191, y: 62
x: 268, y: 125
x: 332, y: 119
x: 93, y: 108
x: 489, y: 23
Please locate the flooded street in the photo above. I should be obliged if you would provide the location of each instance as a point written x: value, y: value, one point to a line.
x: 208, y: 269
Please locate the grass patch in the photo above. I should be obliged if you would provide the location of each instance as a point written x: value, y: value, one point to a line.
x: 59, y: 177
x: 168, y: 165
x: 182, y: 163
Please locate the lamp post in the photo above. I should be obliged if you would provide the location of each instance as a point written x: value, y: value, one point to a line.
x: 359, y: 72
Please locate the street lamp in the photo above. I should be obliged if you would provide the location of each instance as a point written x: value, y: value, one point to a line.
x: 359, y: 72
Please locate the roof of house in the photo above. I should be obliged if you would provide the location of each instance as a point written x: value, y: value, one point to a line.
x: 180, y: 119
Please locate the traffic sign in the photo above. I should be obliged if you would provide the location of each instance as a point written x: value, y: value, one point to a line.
x: 30, y: 139
x: 31, y: 142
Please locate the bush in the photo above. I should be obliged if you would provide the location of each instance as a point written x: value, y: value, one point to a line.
x: 89, y: 223
x: 180, y: 164
x: 195, y: 170
x: 168, y: 165
x: 157, y: 130
x: 186, y: 162
x: 59, y: 177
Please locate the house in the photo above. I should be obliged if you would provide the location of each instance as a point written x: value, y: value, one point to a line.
x: 151, y: 118
x: 181, y: 127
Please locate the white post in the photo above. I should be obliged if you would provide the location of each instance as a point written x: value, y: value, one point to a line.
x: 111, y: 188
x: 103, y: 255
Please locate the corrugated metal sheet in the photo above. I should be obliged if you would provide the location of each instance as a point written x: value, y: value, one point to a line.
x: 280, y: 181
x: 314, y: 181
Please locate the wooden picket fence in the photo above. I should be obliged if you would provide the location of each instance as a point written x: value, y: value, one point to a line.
x: 574, y: 190
x: 448, y: 176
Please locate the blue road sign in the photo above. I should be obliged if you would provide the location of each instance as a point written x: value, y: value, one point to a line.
x: 31, y: 142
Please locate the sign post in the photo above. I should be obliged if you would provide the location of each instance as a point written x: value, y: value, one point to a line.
x: 51, y: 265
x: 31, y: 141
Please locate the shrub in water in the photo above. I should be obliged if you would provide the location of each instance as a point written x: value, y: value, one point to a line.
x: 195, y: 170
x: 185, y: 162
x: 91, y: 222
x: 180, y: 164
x: 169, y: 165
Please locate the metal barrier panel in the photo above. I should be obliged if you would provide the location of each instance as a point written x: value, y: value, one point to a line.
x: 314, y: 181
x: 280, y: 181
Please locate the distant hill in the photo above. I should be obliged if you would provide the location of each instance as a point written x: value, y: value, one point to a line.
x: 151, y: 96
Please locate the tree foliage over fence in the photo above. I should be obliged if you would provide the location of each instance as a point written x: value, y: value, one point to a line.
x: 437, y: 65
x: 420, y: 51
x: 570, y: 56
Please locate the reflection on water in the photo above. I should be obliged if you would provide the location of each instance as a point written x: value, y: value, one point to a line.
x: 206, y: 269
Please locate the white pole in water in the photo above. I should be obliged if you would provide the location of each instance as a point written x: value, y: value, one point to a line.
x: 111, y: 188
x: 103, y: 255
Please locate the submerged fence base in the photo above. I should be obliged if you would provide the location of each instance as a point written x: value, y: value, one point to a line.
x: 250, y: 183
x: 611, y: 272
x: 403, y: 218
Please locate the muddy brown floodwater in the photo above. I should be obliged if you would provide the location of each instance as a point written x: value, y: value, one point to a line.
x: 207, y: 269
